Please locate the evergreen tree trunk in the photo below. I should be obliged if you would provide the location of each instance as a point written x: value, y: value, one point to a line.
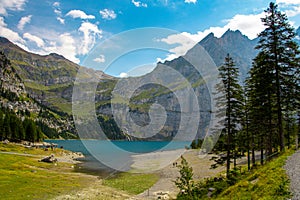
x: 253, y: 149
x: 232, y: 102
x: 269, y: 132
x: 279, y: 112
x: 248, y: 140
x: 261, y: 150
x: 229, y: 126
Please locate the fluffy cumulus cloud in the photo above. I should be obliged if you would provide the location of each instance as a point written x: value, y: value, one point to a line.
x: 108, y: 14
x: 139, y: 4
x: 100, y: 59
x: 190, y: 1
x: 8, y: 33
x: 11, y: 5
x: 291, y: 2
x: 23, y: 21
x: 56, y: 4
x: 61, y: 20
x: 185, y: 42
x: 90, y: 33
x: 123, y: 75
x: 290, y: 7
x: 38, y: 41
x: 64, y: 45
x: 249, y: 25
x: 57, y: 11
x: 79, y: 14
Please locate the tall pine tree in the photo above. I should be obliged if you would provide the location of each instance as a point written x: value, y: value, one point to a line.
x: 280, y: 54
x: 233, y: 104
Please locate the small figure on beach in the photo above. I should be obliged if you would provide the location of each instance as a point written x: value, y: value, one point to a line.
x: 174, y: 164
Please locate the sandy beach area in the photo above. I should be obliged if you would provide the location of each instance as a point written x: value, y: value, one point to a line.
x: 161, y: 163
x: 168, y: 172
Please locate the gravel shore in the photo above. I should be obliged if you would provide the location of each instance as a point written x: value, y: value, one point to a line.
x: 292, y: 168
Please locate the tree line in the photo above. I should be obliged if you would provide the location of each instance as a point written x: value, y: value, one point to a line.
x: 263, y: 113
x: 13, y: 128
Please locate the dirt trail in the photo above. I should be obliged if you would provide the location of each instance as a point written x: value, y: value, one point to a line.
x: 292, y: 168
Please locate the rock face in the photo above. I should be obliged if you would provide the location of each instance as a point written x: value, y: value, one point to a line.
x: 13, y: 93
x: 240, y: 48
x: 49, y: 81
x: 15, y: 97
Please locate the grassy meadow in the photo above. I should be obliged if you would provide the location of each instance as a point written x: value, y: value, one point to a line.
x: 23, y: 177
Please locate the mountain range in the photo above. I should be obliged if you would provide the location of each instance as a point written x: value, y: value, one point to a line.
x: 48, y: 81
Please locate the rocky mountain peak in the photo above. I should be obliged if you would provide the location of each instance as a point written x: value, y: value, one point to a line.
x: 239, y: 46
x: 56, y: 56
x: 4, y: 40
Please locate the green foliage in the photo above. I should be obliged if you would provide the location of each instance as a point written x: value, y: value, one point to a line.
x: 110, y: 128
x: 131, y: 182
x: 196, y: 144
x: 231, y: 102
x: 268, y: 182
x: 14, y: 129
x: 185, y: 182
x: 272, y: 83
x: 264, y: 182
x: 49, y: 132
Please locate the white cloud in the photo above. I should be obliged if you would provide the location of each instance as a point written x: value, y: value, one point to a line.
x: 185, y: 42
x: 290, y: 7
x: 249, y: 25
x: 51, y: 42
x: 100, y: 59
x: 23, y: 21
x: 139, y: 4
x: 108, y: 14
x: 289, y: 2
x: 123, y: 75
x: 64, y: 45
x: 293, y: 11
x: 90, y: 33
x: 11, y: 5
x: 10, y: 34
x: 61, y: 20
x: 39, y: 42
x: 57, y: 11
x: 190, y: 1
x: 79, y: 14
x: 56, y: 4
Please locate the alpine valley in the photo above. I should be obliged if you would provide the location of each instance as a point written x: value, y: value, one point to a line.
x: 42, y: 87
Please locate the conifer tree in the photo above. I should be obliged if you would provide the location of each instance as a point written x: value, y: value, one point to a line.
x: 233, y: 104
x: 281, y: 58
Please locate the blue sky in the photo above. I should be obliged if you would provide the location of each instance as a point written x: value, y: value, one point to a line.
x: 74, y: 28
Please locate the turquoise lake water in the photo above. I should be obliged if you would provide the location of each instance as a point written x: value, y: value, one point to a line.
x: 113, y: 153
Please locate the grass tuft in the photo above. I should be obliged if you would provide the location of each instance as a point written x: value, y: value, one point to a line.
x: 131, y: 182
